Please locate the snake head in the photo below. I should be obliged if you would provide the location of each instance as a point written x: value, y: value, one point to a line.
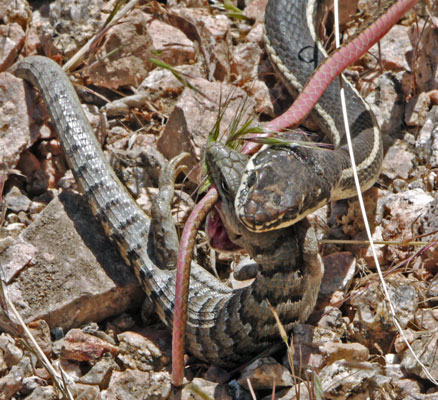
x: 282, y: 184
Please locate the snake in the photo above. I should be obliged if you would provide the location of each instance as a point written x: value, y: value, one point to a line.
x: 225, y: 326
x: 284, y: 183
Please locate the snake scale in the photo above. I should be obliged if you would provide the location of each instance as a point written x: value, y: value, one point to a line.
x: 225, y: 326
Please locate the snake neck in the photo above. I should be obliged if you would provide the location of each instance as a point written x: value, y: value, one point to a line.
x: 283, y: 267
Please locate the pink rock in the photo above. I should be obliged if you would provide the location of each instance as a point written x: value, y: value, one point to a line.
x: 80, y: 346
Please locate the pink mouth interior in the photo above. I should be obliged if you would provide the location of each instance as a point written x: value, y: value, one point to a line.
x: 216, y: 233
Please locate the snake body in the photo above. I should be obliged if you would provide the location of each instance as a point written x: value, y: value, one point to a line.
x: 225, y: 326
x: 283, y: 184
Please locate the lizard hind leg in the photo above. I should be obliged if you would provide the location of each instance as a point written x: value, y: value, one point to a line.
x: 163, y: 228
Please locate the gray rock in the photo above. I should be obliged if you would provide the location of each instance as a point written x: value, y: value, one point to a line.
x: 140, y: 352
x: 341, y: 379
x: 100, y: 373
x: 71, y: 273
x: 17, y: 201
x: 70, y: 25
x: 398, y: 161
x: 207, y: 389
x: 133, y: 384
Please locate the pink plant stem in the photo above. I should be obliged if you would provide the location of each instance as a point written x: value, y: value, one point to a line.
x: 187, y: 243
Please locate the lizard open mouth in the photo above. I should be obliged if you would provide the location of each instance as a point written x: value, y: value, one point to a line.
x: 217, y: 235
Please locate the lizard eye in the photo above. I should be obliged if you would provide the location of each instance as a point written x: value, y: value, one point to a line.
x: 225, y: 187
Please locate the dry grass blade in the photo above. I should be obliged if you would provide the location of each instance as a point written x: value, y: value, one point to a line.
x: 251, y: 389
x: 58, y: 377
x: 179, y: 76
x: 111, y: 20
x: 362, y: 207
x: 290, y: 347
x: 382, y: 242
x: 317, y: 388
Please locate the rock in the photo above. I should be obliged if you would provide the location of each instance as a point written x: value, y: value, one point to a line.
x: 400, y: 342
x: 344, y: 351
x: 80, y: 346
x: 20, y: 12
x: 46, y: 393
x: 85, y: 392
x: 409, y: 389
x: 134, y: 384
x: 16, y: 201
x: 246, y: 269
x: 140, y: 352
x: 427, y: 139
x: 398, y: 161
x: 18, y: 255
x: 11, y: 353
x: 258, y: 90
x: 433, y: 94
x: 170, y: 43
x: 28, y: 163
x: 341, y: 379
x: 207, y: 389
x: 32, y: 382
x: 71, y: 368
x: 262, y: 374
x: 237, y: 391
x: 129, y: 65
x: 255, y: 10
x: 392, y: 49
x: 71, y: 24
x: 332, y: 321
x: 143, y: 36
x: 12, y: 382
x: 159, y: 83
x: 245, y: 60
x: 402, y: 212
x: 426, y: 319
x: 70, y: 273
x: 22, y: 129
x: 12, y: 37
x: 393, y: 367
x: 424, y: 39
x: 417, y: 110
x: 41, y: 333
x: 100, y: 373
x: 372, y: 321
x: 339, y: 270
x: 425, y: 348
x: 213, y: 32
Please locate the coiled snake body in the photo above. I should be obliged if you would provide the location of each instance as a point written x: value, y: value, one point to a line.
x: 283, y: 184
x: 225, y: 326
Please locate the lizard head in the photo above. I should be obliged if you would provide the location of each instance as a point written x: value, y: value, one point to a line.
x: 225, y: 167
